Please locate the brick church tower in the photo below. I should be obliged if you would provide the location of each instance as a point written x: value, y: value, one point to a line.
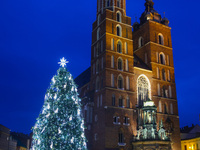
x: 129, y: 65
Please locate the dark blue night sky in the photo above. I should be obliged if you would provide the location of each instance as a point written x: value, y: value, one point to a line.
x: 35, y: 34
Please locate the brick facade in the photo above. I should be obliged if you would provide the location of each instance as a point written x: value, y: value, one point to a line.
x: 99, y: 110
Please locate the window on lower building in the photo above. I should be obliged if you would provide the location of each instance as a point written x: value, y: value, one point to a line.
x: 116, y: 120
x: 126, y: 121
x: 121, y: 137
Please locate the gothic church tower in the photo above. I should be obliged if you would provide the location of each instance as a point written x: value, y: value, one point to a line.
x: 129, y: 66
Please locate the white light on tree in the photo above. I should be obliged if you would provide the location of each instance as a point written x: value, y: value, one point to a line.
x: 60, y: 125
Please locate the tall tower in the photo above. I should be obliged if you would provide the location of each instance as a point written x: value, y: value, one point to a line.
x: 111, y: 75
x: 128, y: 68
x: 153, y: 45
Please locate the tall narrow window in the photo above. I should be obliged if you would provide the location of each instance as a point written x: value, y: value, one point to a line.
x: 119, y: 17
x: 98, y: 33
x: 160, y: 106
x: 121, y: 104
x: 120, y: 82
x: 169, y: 76
x: 97, y: 67
x: 97, y: 84
x: 128, y: 102
x: 158, y: 73
x: 162, y: 58
x: 101, y: 100
x: 112, y: 61
x: 112, y: 80
x: 102, y: 46
x: 141, y: 42
x: 161, y: 39
x: 143, y: 91
x: 93, y: 68
x: 102, y: 63
x: 120, y: 64
x: 112, y: 44
x: 165, y: 109
x: 127, y: 83
x: 107, y: 3
x: 98, y: 102
x: 119, y: 30
x: 157, y: 57
x: 158, y: 86
x: 127, y: 68
x: 171, y: 108
x: 164, y: 92
x: 170, y: 92
x: 126, y: 48
x: 98, y: 19
x: 113, y: 100
x: 119, y: 47
x: 121, y: 137
x: 164, y: 74
x: 118, y: 3
x: 168, y: 60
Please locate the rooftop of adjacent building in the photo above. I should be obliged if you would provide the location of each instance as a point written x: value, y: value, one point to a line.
x: 190, y: 132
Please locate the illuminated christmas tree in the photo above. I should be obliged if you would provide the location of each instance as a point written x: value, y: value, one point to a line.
x: 60, y: 125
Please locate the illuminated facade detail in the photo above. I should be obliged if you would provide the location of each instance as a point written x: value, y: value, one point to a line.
x: 143, y: 89
x: 137, y: 66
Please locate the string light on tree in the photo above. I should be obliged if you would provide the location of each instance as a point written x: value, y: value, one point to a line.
x: 60, y: 125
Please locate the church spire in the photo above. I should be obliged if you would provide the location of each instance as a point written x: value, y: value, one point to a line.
x: 149, y: 5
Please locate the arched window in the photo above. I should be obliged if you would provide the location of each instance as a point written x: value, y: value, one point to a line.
x: 118, y: 3
x: 107, y: 3
x: 165, y: 91
x: 99, y: 19
x: 164, y: 74
x: 120, y: 82
x: 128, y: 102
x: 161, y: 39
x: 119, y: 47
x: 140, y: 42
x: 120, y: 64
x: 119, y: 18
x: 98, y: 33
x: 165, y: 108
x: 121, y: 137
x: 143, y: 89
x: 113, y: 100
x: 121, y: 103
x: 119, y: 30
x: 162, y: 58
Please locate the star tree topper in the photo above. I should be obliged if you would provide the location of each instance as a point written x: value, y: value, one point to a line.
x: 63, y: 62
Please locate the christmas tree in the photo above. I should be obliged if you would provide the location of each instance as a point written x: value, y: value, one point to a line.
x: 60, y: 125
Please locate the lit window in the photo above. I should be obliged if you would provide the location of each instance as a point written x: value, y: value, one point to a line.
x: 143, y: 89
x: 118, y: 3
x: 119, y: 30
x: 161, y: 39
x: 120, y: 64
x: 113, y: 100
x: 141, y: 42
x: 120, y: 82
x: 116, y: 120
x: 162, y: 58
x: 119, y: 47
x: 119, y: 17
x: 121, y: 103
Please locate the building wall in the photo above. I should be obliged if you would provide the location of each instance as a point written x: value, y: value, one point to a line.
x: 191, y: 144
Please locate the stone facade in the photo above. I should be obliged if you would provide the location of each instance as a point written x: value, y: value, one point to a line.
x: 127, y: 68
